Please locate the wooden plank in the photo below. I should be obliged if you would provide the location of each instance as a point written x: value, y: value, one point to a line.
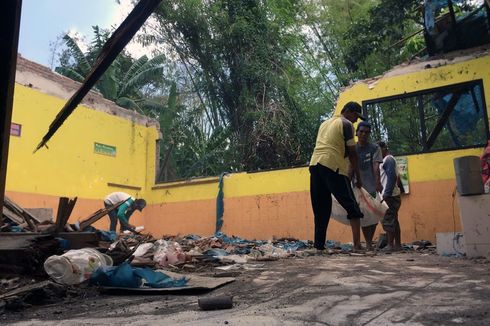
x: 191, y: 182
x: 79, y: 240
x: 14, y: 206
x: 99, y: 214
x: 114, y: 45
x: 26, y: 216
x: 118, y: 185
x: 69, y: 209
x: 25, y: 289
x: 25, y: 252
x: 62, y: 204
x: 19, y: 240
x: 13, y: 216
x: 65, y: 207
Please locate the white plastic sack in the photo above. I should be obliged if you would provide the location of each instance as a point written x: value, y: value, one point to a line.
x: 75, y: 266
x: 143, y: 249
x: 372, y: 208
x: 268, y: 250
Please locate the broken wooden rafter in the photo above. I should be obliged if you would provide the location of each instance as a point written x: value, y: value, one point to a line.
x: 114, y: 45
x: 65, y: 207
x: 15, y: 209
x: 13, y: 216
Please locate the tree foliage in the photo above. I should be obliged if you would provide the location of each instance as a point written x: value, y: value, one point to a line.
x: 239, y: 55
x: 244, y: 84
x: 371, y: 40
x: 125, y: 80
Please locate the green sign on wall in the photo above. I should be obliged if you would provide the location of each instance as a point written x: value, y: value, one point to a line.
x: 104, y: 149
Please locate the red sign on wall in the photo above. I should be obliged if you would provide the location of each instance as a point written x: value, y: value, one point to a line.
x: 15, y: 129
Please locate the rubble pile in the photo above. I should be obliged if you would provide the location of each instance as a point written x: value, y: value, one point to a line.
x: 42, y: 261
x: 27, y: 240
x: 16, y: 219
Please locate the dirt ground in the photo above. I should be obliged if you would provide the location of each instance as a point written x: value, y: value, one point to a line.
x: 387, y: 289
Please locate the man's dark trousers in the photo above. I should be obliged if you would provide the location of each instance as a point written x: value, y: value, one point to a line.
x: 112, y: 216
x: 323, y: 184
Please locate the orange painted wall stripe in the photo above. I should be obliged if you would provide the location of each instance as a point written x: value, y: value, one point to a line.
x: 289, y: 214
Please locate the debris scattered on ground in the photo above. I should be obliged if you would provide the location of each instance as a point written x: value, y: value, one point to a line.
x: 19, y: 220
x: 38, y: 293
x: 147, y: 264
x: 25, y: 254
x: 26, y: 241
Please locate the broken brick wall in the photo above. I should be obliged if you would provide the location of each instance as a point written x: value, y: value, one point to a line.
x: 101, y: 148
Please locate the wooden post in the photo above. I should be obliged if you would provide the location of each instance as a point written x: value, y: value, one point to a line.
x: 9, y: 40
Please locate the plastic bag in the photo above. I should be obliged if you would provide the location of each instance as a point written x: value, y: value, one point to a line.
x: 143, y: 249
x: 372, y: 208
x: 75, y: 266
x: 166, y: 253
x: 268, y: 250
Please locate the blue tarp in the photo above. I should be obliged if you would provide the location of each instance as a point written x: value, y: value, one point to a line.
x: 220, y: 204
x: 127, y: 276
x: 232, y: 240
x: 243, y: 246
x: 109, y: 236
x: 292, y: 245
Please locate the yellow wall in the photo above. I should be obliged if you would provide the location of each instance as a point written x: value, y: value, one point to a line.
x: 276, y: 203
x: 70, y: 167
x: 256, y: 205
x: 434, y: 166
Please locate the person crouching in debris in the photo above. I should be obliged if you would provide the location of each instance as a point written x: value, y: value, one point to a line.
x: 391, y: 195
x: 369, y: 160
x: 329, y: 171
x: 123, y: 212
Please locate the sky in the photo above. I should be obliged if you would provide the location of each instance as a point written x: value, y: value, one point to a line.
x: 42, y: 21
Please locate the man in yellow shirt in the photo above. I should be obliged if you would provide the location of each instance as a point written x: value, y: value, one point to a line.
x: 329, y: 173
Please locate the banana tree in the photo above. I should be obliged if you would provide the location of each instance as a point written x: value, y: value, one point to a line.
x: 124, y: 81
